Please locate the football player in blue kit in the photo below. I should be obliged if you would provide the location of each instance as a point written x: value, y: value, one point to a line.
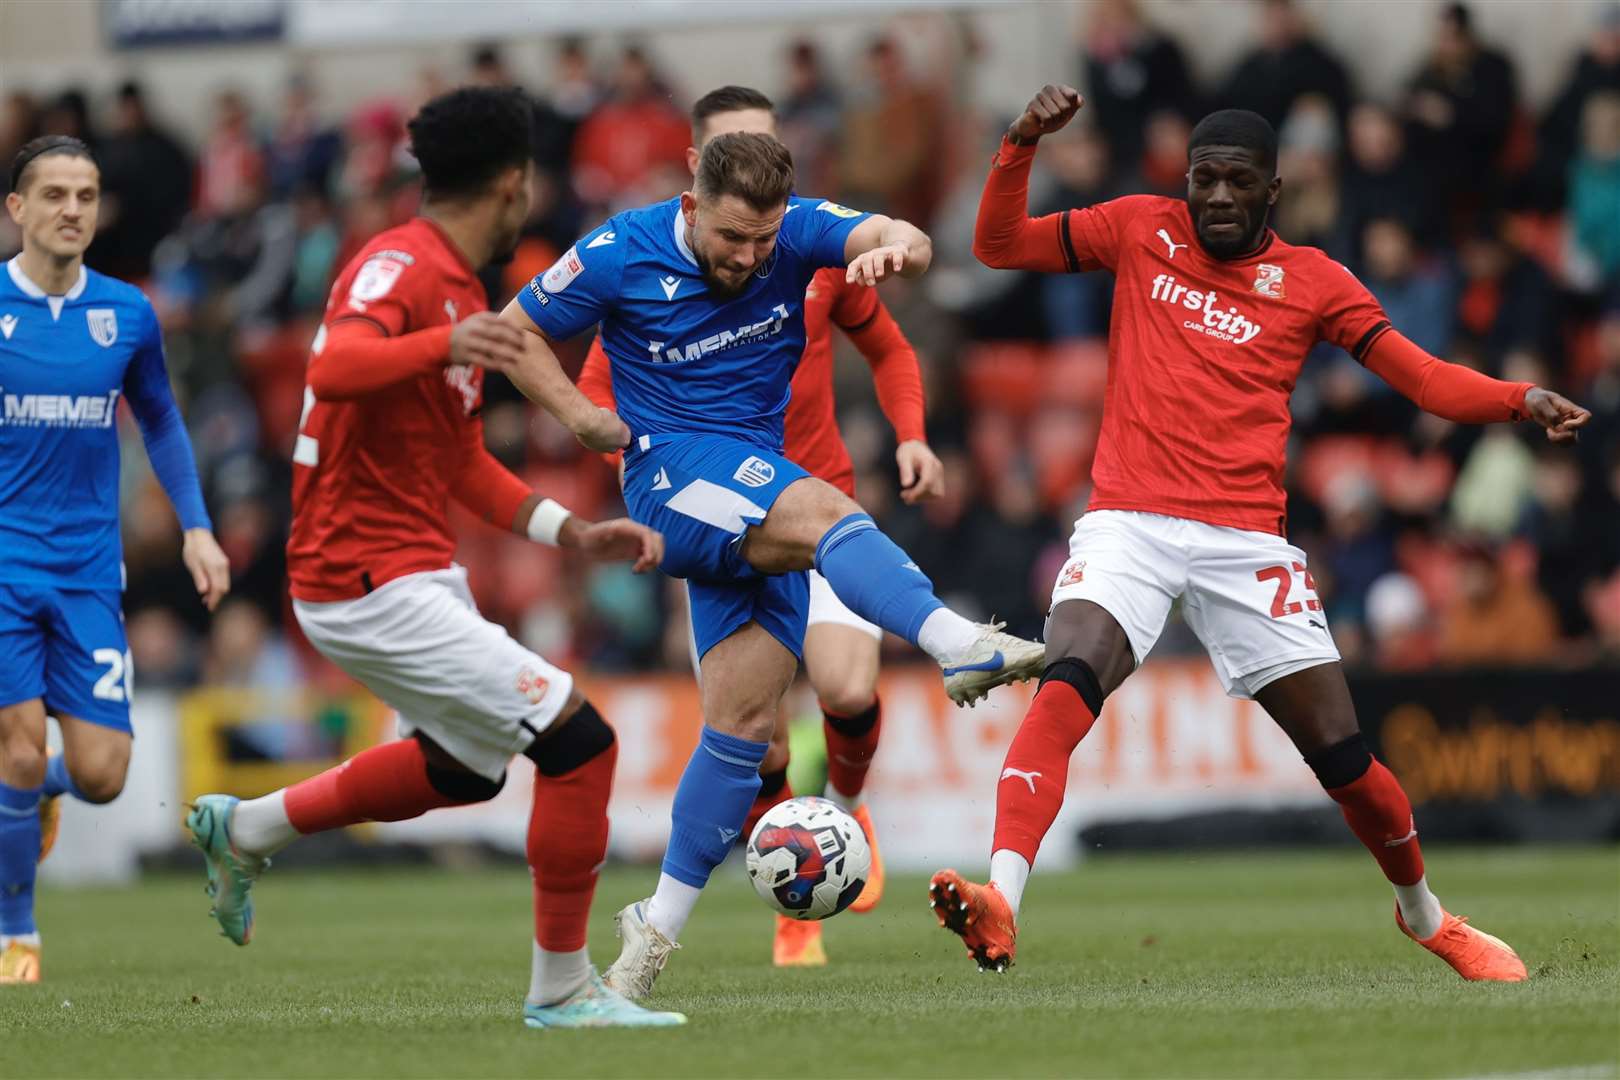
x: 700, y: 301
x: 72, y: 343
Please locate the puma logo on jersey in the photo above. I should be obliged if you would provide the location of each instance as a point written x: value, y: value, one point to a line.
x: 8, y: 323
x: 1223, y: 323
x: 1164, y: 235
x: 1026, y: 777
x: 669, y: 284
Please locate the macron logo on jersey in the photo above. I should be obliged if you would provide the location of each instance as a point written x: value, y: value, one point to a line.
x: 1224, y: 324
x: 60, y: 410
x: 726, y: 339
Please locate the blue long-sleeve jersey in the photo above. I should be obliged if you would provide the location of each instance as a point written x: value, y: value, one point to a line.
x: 64, y: 363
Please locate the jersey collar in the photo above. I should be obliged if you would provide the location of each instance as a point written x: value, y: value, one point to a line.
x: 26, y: 286
x: 680, y: 237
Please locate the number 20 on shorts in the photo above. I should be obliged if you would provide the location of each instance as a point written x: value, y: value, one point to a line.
x: 1284, y: 577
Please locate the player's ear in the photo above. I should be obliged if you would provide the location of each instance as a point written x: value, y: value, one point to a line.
x: 14, y: 207
x: 692, y: 156
x: 1273, y: 190
x: 689, y: 209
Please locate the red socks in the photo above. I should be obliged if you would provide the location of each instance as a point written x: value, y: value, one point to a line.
x: 1036, y: 770
x: 773, y: 789
x: 386, y: 783
x: 851, y: 742
x: 1380, y: 815
x: 568, y: 837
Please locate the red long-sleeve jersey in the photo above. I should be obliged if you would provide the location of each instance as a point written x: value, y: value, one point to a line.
x: 1203, y: 353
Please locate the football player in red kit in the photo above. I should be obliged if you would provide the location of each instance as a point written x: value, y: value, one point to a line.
x: 389, y: 435
x: 1213, y: 316
x: 841, y: 649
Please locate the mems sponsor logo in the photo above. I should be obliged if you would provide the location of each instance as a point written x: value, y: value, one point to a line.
x: 59, y: 410
x: 1215, y: 318
x: 725, y: 339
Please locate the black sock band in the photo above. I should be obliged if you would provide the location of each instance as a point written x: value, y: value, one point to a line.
x: 853, y: 727
x: 462, y: 786
x: 1343, y: 763
x: 1078, y: 674
x: 582, y: 738
x: 771, y: 783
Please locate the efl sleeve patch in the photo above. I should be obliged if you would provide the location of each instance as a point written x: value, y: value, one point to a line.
x: 562, y: 272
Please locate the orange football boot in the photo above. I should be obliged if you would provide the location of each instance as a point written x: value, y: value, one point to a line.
x: 1473, y: 954
x: 798, y: 943
x: 873, y: 890
x: 19, y: 964
x: 979, y: 915
x: 50, y: 820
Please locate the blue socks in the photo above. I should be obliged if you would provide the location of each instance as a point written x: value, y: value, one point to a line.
x: 877, y: 580
x: 19, y: 856
x: 711, y: 804
x: 58, y: 781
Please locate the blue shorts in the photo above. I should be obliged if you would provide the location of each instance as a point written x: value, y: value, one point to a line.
x: 703, y: 492
x: 68, y: 647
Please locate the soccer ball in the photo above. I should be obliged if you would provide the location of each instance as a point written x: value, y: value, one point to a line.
x: 808, y: 859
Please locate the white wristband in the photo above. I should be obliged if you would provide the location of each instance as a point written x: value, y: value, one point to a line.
x: 547, y: 521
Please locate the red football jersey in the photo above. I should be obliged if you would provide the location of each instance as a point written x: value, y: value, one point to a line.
x: 811, y: 437
x: 1202, y: 357
x: 372, y: 477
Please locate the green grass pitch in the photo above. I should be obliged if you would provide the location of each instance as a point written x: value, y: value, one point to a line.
x: 1283, y: 964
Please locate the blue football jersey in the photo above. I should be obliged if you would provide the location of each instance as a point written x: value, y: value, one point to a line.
x: 64, y: 363
x: 684, y: 359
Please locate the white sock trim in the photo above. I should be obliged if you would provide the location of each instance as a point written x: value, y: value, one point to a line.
x: 947, y: 636
x: 260, y: 826
x: 671, y: 905
x: 556, y: 976
x: 1009, y: 872
x: 1420, y: 908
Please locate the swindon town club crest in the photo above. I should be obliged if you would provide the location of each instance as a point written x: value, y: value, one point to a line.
x: 1268, y: 281
x: 103, y: 325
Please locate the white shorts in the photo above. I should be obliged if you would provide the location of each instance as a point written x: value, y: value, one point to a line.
x: 1247, y: 595
x: 420, y: 645
x: 826, y: 608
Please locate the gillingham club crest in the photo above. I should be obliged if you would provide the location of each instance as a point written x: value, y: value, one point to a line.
x: 103, y: 325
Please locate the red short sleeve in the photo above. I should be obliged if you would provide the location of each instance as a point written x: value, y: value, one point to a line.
x: 1347, y: 314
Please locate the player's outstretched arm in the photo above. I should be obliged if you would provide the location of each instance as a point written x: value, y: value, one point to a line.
x: 898, y: 378
x: 168, y: 447
x: 1004, y: 235
x: 883, y: 246
x: 1461, y: 394
x: 534, y: 370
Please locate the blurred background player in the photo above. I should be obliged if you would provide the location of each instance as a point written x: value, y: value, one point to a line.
x: 841, y: 650
x: 1213, y: 316
x: 390, y: 433
x: 701, y: 304
x: 72, y: 342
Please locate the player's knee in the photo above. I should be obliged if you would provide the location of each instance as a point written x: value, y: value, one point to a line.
x: 754, y: 725
x: 849, y: 695
x: 1345, y: 762
x: 461, y: 786
x: 581, y: 738
x: 1075, y: 672
x: 100, y: 785
x: 22, y: 760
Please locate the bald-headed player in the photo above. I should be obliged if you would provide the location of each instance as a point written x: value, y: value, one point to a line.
x: 1213, y: 316
x: 841, y: 649
x: 72, y: 343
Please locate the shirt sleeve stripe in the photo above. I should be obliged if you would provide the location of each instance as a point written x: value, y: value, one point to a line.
x: 364, y: 318
x: 1367, y: 339
x: 858, y: 327
x: 1069, y: 256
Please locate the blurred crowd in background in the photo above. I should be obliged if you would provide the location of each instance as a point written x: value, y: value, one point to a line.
x: 1490, y: 233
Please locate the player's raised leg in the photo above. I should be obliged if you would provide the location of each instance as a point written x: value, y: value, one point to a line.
x: 1313, y: 706
x: 1089, y: 656
x: 812, y: 523
x: 744, y: 677
x: 841, y: 656
x: 22, y: 779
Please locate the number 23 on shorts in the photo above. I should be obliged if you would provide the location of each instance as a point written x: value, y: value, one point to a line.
x: 1283, y: 575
